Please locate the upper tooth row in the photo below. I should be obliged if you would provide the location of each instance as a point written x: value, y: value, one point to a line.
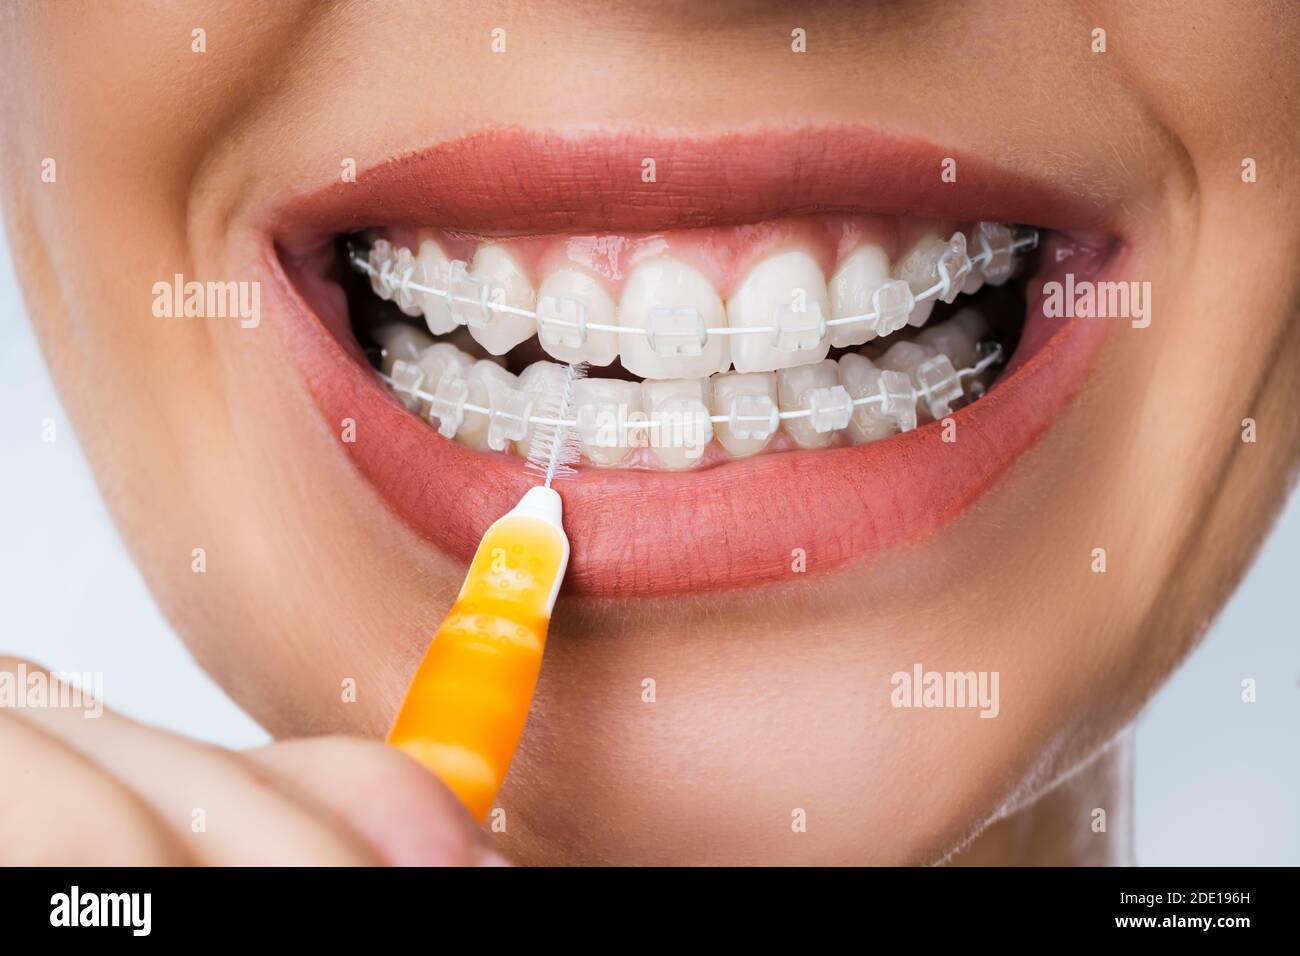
x: 670, y: 323
x: 481, y: 404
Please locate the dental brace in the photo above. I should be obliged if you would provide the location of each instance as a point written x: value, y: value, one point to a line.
x: 755, y: 415
x: 672, y: 332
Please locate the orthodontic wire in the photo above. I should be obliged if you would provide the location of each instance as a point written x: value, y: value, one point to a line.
x: 942, y: 287
x: 994, y: 356
x: 405, y: 284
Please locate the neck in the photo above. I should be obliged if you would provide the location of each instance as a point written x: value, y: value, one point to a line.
x: 1063, y: 826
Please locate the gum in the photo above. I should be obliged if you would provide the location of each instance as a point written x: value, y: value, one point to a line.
x: 723, y: 254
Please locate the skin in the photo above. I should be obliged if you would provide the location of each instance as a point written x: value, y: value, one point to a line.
x: 768, y: 701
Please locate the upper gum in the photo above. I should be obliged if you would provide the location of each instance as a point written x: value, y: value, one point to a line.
x: 723, y: 254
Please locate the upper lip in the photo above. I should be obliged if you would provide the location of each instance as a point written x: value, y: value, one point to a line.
x: 638, y: 533
x: 523, y: 181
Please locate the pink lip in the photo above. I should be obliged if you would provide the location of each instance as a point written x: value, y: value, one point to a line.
x: 529, y: 181
x: 651, y: 533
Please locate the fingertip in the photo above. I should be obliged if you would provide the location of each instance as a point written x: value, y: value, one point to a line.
x: 403, y: 811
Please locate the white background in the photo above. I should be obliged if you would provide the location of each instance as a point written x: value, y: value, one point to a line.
x: 1218, y: 780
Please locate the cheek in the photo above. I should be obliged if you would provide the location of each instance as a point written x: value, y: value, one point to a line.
x: 301, y: 593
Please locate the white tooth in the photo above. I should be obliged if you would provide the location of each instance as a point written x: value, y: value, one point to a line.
x: 972, y: 322
x: 380, y: 258
x: 399, y: 341
x: 792, y: 386
x: 679, y: 412
x: 686, y: 305
x: 859, y: 375
x: 486, y: 380
x: 998, y: 238
x: 783, y: 284
x: 509, y: 286
x: 975, y: 280
x: 920, y: 267
x: 407, y: 380
x: 851, y: 289
x: 953, y: 339
x: 446, y: 370
x: 440, y: 359
x: 404, y: 271
x: 431, y: 271
x: 570, y: 344
x: 604, y: 407
x: 463, y: 340
x: 917, y: 267
x: 905, y: 357
x: 726, y: 389
x: 545, y: 382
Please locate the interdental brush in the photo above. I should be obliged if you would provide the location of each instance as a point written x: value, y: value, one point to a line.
x: 465, y: 709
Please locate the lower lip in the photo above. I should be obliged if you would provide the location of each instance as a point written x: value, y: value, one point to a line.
x: 645, y: 533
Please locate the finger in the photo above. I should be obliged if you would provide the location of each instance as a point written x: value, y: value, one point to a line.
x: 58, y: 809
x: 223, y: 809
x: 406, y: 814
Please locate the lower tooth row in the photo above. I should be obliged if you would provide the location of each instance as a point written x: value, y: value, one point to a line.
x: 481, y: 405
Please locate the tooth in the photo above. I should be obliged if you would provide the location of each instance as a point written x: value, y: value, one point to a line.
x: 604, y: 407
x: 972, y: 322
x: 509, y: 286
x: 851, y: 289
x: 932, y: 373
x: 907, y: 357
x: 679, y: 411
x: 793, y: 386
x: 953, y: 339
x: 431, y: 271
x: 404, y: 269
x: 544, y: 381
x: 975, y: 281
x: 487, y: 381
x: 559, y: 292
x: 407, y: 380
x: 676, y: 304
x: 466, y: 342
x: 786, y: 291
x: 859, y: 375
x: 920, y: 267
x: 749, y: 395
x: 380, y: 258
x: 439, y: 359
x: 917, y: 268
x: 399, y: 341
x: 436, y: 362
x: 998, y: 238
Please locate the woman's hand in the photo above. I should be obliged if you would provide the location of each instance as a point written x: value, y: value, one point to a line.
x: 105, y: 790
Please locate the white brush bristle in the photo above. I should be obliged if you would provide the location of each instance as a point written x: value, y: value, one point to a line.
x: 555, y: 448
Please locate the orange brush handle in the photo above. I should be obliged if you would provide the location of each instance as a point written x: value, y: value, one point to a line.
x: 466, y: 707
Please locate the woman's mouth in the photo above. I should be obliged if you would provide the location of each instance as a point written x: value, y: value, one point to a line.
x: 795, y: 369
x: 706, y: 346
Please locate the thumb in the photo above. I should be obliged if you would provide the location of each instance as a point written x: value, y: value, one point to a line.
x: 406, y: 814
